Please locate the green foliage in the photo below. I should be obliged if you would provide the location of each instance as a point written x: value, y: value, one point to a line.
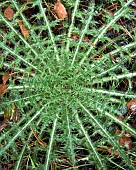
x: 68, y: 91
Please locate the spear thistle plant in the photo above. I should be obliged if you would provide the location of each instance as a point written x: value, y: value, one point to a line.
x: 67, y: 97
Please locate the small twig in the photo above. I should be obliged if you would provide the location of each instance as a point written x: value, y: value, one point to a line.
x: 39, y: 140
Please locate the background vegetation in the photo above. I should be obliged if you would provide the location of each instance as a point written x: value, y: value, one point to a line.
x: 68, y: 84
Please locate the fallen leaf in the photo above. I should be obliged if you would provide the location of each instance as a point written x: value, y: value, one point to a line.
x: 60, y: 10
x: 132, y: 105
x: 124, y: 140
x: 5, y: 78
x: 3, y: 88
x: 9, y: 13
x: 24, y: 30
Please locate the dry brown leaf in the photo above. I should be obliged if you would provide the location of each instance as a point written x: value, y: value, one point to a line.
x: 3, y: 88
x: 60, y: 10
x: 132, y: 105
x: 125, y: 141
x: 5, y: 78
x: 24, y: 30
x: 9, y: 13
